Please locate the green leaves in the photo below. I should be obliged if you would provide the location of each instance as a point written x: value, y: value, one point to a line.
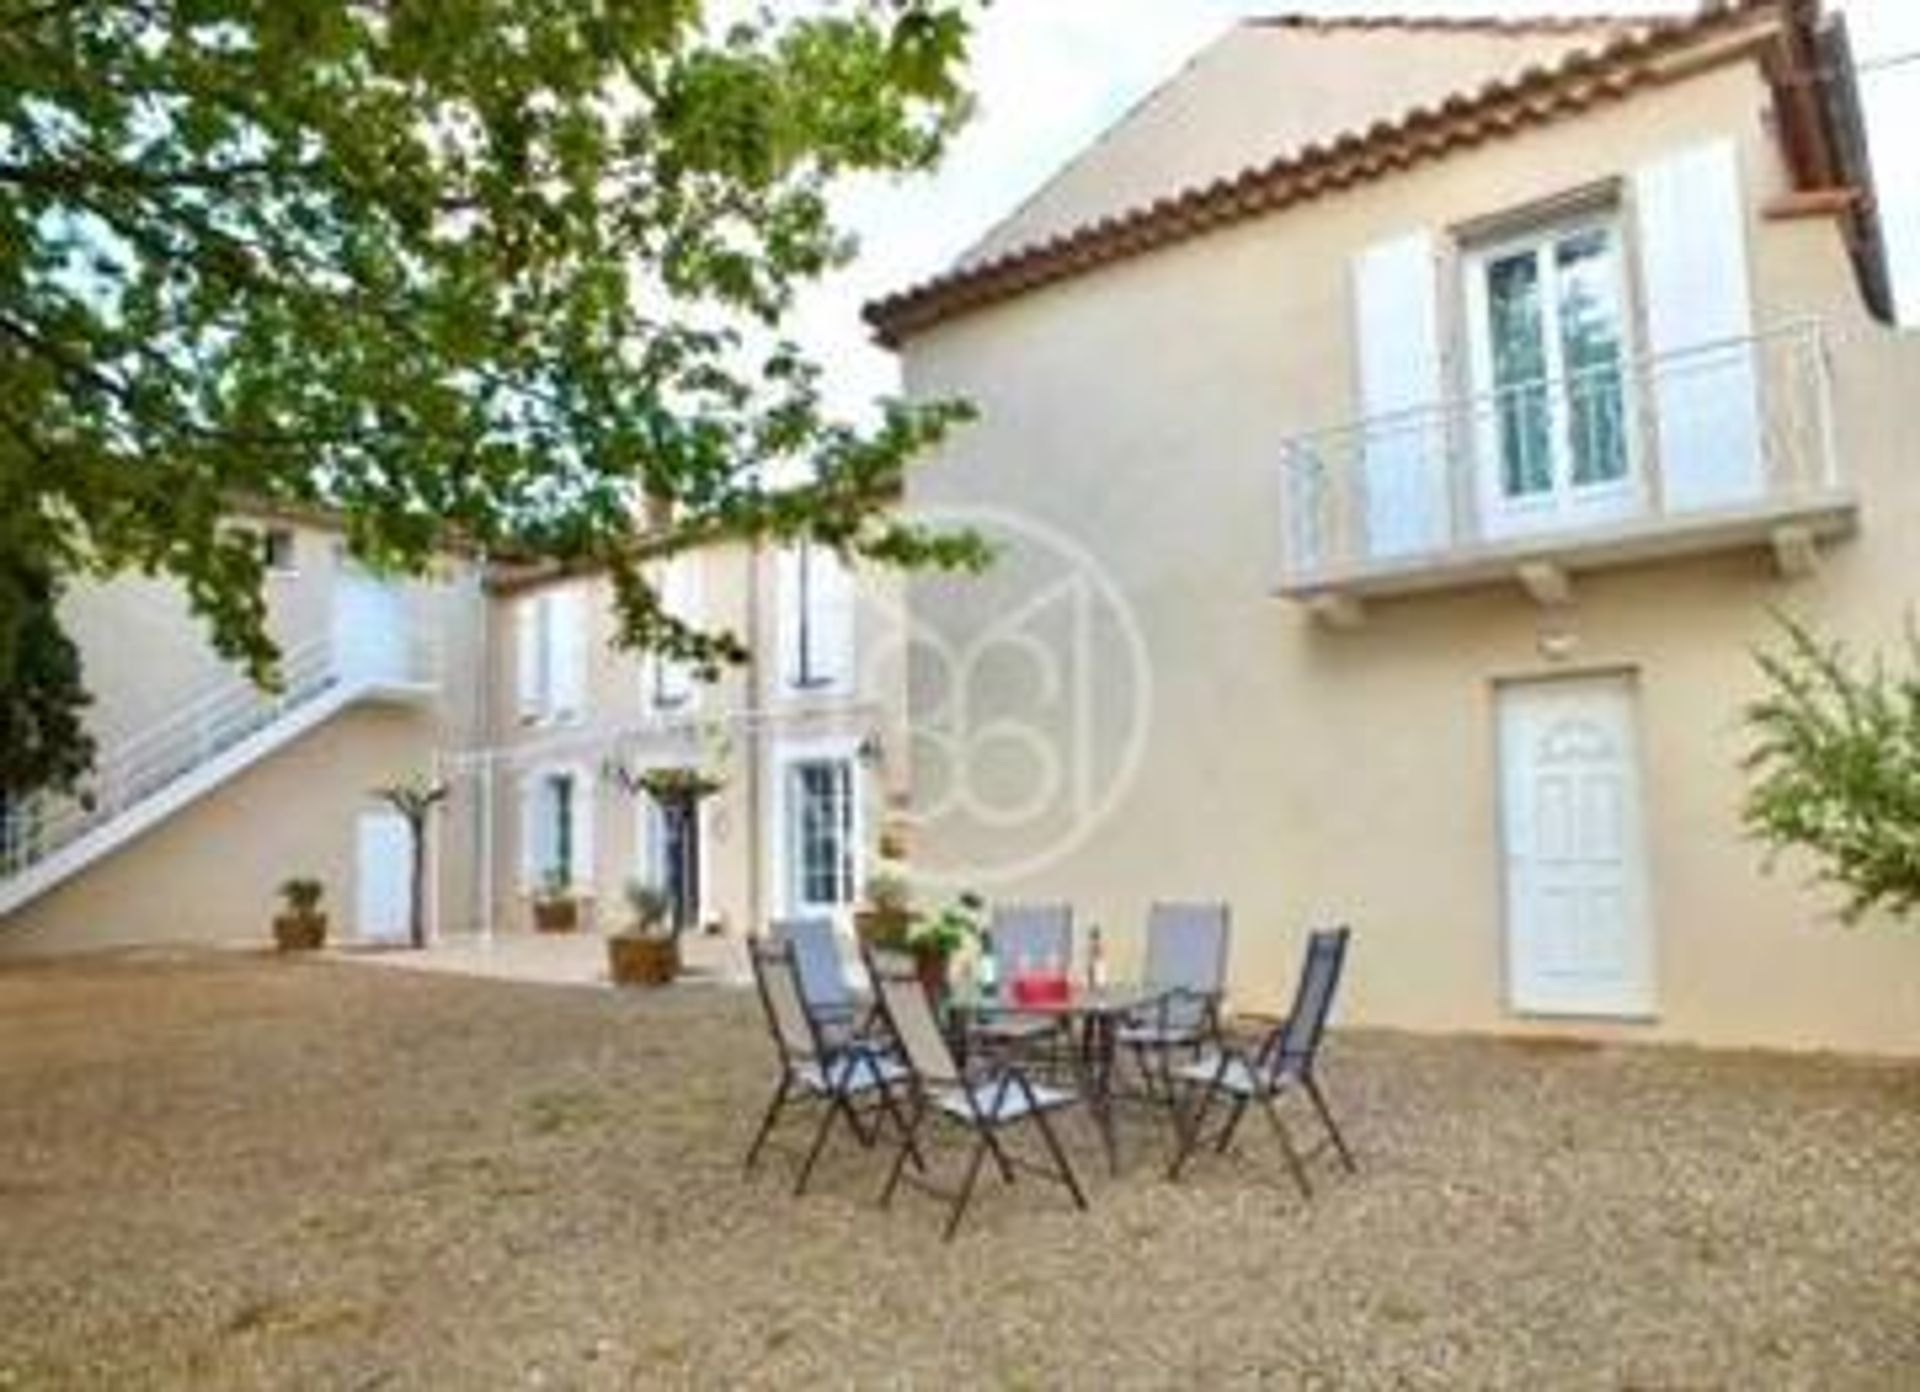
x: 486, y: 267
x: 1836, y: 769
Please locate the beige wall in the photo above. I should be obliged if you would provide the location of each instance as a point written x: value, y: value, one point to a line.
x: 1261, y: 92
x: 1306, y: 774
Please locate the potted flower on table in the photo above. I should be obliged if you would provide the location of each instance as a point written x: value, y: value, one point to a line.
x: 300, y: 927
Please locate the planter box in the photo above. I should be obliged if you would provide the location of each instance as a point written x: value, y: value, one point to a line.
x: 300, y: 932
x: 636, y: 961
x: 556, y: 915
x: 883, y: 928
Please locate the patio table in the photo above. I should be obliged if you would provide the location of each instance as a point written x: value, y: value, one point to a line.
x: 1091, y: 1014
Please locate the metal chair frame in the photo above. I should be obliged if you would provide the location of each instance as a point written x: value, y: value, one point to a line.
x: 1284, y: 1061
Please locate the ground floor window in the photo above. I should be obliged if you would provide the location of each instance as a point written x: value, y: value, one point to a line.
x: 820, y: 833
x: 555, y: 823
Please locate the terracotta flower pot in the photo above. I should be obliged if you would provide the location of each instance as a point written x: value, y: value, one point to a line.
x: 556, y: 915
x: 884, y: 928
x: 637, y: 960
x: 296, y: 931
x: 932, y: 966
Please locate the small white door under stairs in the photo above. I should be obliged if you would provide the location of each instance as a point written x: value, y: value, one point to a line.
x: 1579, y: 926
x: 383, y: 865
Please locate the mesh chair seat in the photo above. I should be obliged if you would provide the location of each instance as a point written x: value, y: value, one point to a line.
x: 1016, y: 1026
x: 1153, y: 1035
x: 1230, y: 1073
x: 851, y: 1074
x: 1001, y: 1104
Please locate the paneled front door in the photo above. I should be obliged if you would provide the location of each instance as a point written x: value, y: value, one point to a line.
x: 1579, y: 931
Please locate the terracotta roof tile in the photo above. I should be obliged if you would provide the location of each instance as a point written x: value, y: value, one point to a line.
x: 1584, y: 77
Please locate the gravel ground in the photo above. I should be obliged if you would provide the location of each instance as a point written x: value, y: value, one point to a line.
x: 221, y: 1171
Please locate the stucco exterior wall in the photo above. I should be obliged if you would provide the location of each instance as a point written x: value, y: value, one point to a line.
x: 1308, y: 775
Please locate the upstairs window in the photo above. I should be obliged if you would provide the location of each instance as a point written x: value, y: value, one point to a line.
x: 1547, y: 333
x: 816, y: 621
x: 672, y: 685
x: 551, y: 655
x: 278, y: 551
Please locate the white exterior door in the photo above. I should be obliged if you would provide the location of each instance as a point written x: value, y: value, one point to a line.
x: 383, y: 866
x: 369, y: 626
x: 1579, y: 929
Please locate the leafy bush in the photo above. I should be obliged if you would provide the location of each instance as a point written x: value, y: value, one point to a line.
x: 1836, y: 769
x: 302, y: 894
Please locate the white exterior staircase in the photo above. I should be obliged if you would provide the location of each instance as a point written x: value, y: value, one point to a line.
x: 208, y: 738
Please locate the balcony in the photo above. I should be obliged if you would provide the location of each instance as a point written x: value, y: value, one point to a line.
x: 1727, y: 445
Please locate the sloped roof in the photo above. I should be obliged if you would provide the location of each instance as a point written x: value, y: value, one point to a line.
x: 1200, y: 154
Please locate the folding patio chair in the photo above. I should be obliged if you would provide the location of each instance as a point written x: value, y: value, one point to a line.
x: 811, y: 1069
x: 823, y: 978
x: 983, y: 1103
x: 1026, y: 937
x: 1284, y: 1061
x: 1187, y: 956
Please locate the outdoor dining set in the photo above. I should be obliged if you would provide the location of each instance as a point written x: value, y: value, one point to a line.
x: 900, y: 1060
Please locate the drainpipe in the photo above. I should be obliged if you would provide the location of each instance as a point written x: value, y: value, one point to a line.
x: 755, y: 755
x: 483, y: 729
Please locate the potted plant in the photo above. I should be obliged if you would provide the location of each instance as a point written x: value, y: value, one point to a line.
x: 300, y: 927
x: 935, y: 940
x: 647, y: 951
x: 556, y: 907
x: 887, y: 916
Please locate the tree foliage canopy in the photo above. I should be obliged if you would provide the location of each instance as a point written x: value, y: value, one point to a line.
x: 503, y: 268
x: 1836, y: 769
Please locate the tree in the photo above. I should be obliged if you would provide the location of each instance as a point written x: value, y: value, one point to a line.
x: 506, y: 269
x: 43, y: 740
x: 1836, y: 769
x: 415, y: 802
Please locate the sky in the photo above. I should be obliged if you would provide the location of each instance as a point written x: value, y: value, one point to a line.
x: 1050, y: 75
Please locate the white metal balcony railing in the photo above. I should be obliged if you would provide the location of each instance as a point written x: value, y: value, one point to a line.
x: 1740, y: 428
x: 214, y: 720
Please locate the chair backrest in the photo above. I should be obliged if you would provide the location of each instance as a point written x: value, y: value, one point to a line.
x: 777, y: 975
x: 1299, y: 1037
x: 909, y: 1015
x: 1032, y: 936
x: 816, y: 954
x: 1187, y: 950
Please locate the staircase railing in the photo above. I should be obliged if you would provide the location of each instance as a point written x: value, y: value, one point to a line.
x: 144, y: 764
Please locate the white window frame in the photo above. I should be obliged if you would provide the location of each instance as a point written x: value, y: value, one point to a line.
x: 270, y: 537
x: 806, y: 668
x: 1563, y: 503
x: 670, y: 686
x: 538, y: 622
x: 535, y: 840
x: 782, y: 828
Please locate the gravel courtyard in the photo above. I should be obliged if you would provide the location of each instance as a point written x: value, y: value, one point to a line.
x: 234, y: 1171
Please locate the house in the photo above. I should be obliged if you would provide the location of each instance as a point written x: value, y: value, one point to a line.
x: 1435, y: 414
x: 502, y: 682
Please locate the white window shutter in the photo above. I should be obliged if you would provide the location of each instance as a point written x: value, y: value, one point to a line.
x: 831, y: 624
x: 673, y: 682
x: 567, y: 648
x: 529, y: 659
x: 581, y: 870
x: 532, y: 831
x: 1693, y: 254
x: 1403, y: 456
x: 786, y: 589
